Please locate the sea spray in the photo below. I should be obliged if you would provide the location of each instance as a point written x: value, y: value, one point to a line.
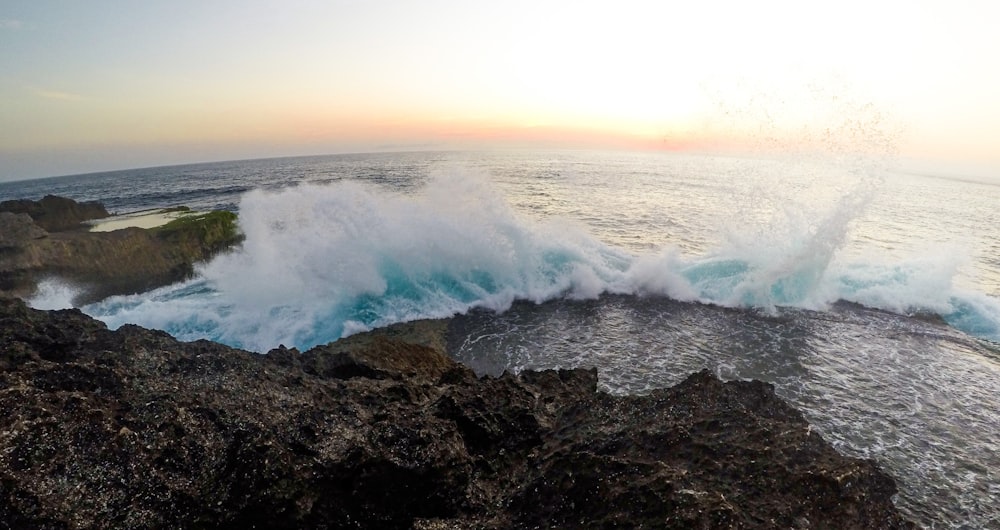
x: 912, y: 393
x: 320, y: 262
x: 54, y: 293
x: 793, y: 272
x: 781, y: 260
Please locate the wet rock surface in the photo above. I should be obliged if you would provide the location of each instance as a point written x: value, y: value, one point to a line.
x: 132, y: 429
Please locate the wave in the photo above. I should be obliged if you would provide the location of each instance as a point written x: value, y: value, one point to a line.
x: 324, y: 261
x: 321, y: 262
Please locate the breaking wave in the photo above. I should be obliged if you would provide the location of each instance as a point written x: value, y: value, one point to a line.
x: 322, y: 262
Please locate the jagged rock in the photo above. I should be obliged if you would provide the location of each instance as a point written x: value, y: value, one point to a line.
x: 132, y: 429
x: 55, y: 214
x: 17, y: 229
x: 101, y: 264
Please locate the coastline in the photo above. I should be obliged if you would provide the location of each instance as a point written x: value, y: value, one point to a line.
x: 132, y: 429
x: 103, y: 255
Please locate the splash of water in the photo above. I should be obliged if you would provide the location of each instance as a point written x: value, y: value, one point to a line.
x: 53, y: 293
x: 322, y: 262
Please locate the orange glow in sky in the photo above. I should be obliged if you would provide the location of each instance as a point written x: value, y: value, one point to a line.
x: 88, y: 86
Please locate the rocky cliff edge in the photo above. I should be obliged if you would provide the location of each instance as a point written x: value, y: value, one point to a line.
x: 46, y: 240
x: 133, y: 429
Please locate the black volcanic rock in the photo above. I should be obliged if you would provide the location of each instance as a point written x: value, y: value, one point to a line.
x: 133, y: 429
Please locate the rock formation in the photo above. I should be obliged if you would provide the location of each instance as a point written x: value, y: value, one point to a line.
x: 133, y: 429
x: 56, y: 214
x: 40, y: 240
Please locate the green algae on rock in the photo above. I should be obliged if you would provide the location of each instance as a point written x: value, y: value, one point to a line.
x: 102, y: 264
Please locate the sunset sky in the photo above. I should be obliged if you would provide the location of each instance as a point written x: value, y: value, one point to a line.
x: 98, y: 85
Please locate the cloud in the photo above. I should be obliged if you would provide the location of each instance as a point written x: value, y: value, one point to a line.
x: 8, y: 23
x: 56, y: 94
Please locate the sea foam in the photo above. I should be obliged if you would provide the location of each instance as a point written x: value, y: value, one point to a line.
x: 323, y: 261
x: 53, y: 293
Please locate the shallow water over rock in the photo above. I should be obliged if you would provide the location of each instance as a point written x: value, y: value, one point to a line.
x: 916, y: 395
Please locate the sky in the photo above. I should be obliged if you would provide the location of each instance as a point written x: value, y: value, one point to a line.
x: 100, y: 85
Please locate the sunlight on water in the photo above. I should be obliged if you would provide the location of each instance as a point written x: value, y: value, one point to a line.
x: 646, y: 266
x: 322, y: 261
x: 928, y: 411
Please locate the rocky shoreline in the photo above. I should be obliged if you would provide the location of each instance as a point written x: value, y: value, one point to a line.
x: 48, y: 239
x: 133, y: 429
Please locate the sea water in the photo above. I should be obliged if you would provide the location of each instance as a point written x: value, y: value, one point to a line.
x: 870, y: 298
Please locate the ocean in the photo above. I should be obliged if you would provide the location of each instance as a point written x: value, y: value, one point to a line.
x: 870, y: 298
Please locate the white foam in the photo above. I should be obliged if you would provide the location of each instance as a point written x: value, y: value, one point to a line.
x: 53, y: 293
x: 924, y: 281
x: 658, y: 274
x: 321, y: 262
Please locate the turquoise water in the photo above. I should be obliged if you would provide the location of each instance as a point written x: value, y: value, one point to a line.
x: 828, y: 280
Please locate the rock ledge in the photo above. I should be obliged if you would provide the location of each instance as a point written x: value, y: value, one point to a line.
x: 45, y: 239
x: 132, y: 429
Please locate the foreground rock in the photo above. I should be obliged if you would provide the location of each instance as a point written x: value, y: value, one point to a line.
x: 44, y: 239
x: 132, y: 429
